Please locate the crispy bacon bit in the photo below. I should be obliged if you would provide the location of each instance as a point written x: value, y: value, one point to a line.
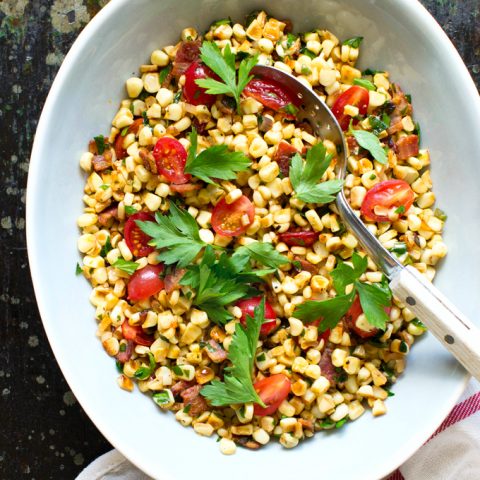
x: 226, y: 106
x: 107, y: 215
x: 180, y: 386
x: 266, y: 123
x: 191, y: 396
x: 407, y: 147
x: 306, y: 424
x: 124, y: 356
x: 200, y: 127
x: 214, y: 350
x: 184, y: 187
x: 283, y: 155
x: 395, y: 127
x: 326, y: 365
x: 92, y: 147
x: 402, y: 105
x: 247, y: 442
x: 148, y: 160
x: 172, y: 280
x: 101, y: 163
x: 307, y: 266
x: 187, y: 53
x: 352, y: 145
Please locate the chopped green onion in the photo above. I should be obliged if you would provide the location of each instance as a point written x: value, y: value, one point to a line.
x: 100, y: 142
x: 362, y: 82
x: 440, y: 214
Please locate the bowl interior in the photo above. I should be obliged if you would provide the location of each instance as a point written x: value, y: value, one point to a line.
x: 399, y: 37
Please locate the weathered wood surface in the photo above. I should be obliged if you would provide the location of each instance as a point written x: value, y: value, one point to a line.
x: 44, y: 434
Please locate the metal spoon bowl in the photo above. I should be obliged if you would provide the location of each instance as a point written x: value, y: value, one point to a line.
x: 458, y: 334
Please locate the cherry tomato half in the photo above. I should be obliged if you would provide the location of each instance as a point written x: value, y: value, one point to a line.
x: 145, y: 282
x: 273, y: 391
x: 356, y: 96
x: 136, y: 240
x: 362, y: 329
x: 227, y: 219
x: 248, y: 306
x: 283, y: 156
x: 136, y: 334
x: 390, y: 193
x: 193, y: 93
x: 304, y: 238
x: 120, y: 152
x: 170, y: 157
x: 270, y: 94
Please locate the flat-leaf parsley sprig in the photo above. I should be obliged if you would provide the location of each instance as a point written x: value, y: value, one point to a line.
x: 237, y: 386
x: 224, y: 67
x: 374, y: 298
x: 214, y: 162
x: 305, y: 176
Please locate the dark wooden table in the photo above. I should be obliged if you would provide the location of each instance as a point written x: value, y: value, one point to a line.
x: 44, y: 433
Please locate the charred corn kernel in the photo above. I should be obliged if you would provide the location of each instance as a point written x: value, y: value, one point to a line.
x: 203, y: 429
x: 288, y: 440
x: 86, y: 162
x: 174, y: 112
x: 191, y: 334
x: 227, y: 446
x: 250, y: 105
x: 327, y: 77
x: 258, y: 148
x: 320, y: 385
x: 355, y: 410
x: 352, y: 365
x: 151, y: 82
x: 379, y: 408
x: 245, y: 414
x: 87, y: 220
x: 164, y: 97
x: 376, y: 99
x: 159, y: 58
x: 233, y: 196
x: 125, y: 383
x: 286, y: 409
x: 206, y: 236
x: 314, y: 220
x: 200, y: 318
x: 86, y: 243
x: 134, y: 86
x: 244, y: 430
x: 319, y: 283
x: 183, y: 418
x: 407, y: 123
x: 340, y: 412
x: 299, y: 365
x: 351, y: 110
x: 338, y: 357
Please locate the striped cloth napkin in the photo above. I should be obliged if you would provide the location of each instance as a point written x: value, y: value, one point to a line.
x: 451, y: 453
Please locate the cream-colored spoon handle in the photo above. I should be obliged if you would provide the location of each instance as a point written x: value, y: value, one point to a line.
x: 456, y: 332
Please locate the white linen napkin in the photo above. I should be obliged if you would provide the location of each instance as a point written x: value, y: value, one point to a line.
x: 452, y: 453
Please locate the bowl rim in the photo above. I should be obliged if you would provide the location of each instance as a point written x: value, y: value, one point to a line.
x: 413, y: 8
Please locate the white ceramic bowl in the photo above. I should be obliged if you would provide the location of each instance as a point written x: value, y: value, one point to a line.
x: 400, y: 36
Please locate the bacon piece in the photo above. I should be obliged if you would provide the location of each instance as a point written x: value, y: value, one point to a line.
x: 215, y: 352
x: 124, y: 356
x: 191, y: 396
x: 148, y: 160
x: 187, y: 53
x: 326, y: 365
x: 283, y: 155
x: 247, y: 442
x: 306, y: 424
x: 184, y: 187
x: 395, y: 127
x: 180, y: 386
x: 200, y: 127
x: 107, y: 215
x: 402, y: 105
x: 172, y: 280
x: 352, y: 145
x: 307, y: 266
x: 100, y: 163
x: 407, y: 147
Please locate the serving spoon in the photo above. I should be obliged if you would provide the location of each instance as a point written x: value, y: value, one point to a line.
x: 457, y: 333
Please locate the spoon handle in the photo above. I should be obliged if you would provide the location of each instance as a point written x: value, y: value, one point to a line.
x: 458, y: 334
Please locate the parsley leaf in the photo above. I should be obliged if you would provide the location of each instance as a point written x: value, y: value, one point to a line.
x: 374, y: 298
x: 142, y: 373
x: 237, y: 386
x: 177, y: 233
x: 353, y: 42
x: 164, y: 73
x: 106, y: 248
x: 305, y: 176
x: 78, y: 269
x: 129, y: 210
x: 262, y: 252
x: 377, y: 125
x: 217, y: 161
x: 370, y: 142
x: 363, y: 82
x: 372, y: 71
x: 100, y: 142
x: 224, y: 67
x: 126, y: 266
x: 344, y: 275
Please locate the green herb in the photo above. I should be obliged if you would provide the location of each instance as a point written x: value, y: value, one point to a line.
x: 143, y: 373
x: 305, y: 71
x: 363, y: 82
x: 399, y: 248
x: 124, y: 131
x: 177, y: 233
x: 261, y: 252
x: 418, y: 323
x: 408, y: 97
x: 389, y: 392
x: 146, y: 121
x: 370, y: 142
x: 377, y: 125
x: 130, y: 210
x: 162, y: 398
x: 122, y: 347
x: 373, y: 298
x: 126, y: 266
x: 104, y: 187
x: 119, y: 366
x: 100, y: 142
x: 353, y: 42
x: 162, y: 75
x: 177, y: 370
x: 386, y: 119
x: 341, y: 423
x: 304, y: 176
x: 400, y: 209
x: 224, y: 67
x: 290, y: 108
x: 297, y: 264
x: 327, y: 424
x: 164, y: 338
x: 237, y: 386
x: 291, y: 39
x: 223, y: 21
x: 371, y: 71
x: 372, y: 176
x: 106, y: 248
x: 403, y: 347
x: 132, y: 109
x: 440, y: 214
x: 261, y: 357
x: 187, y: 408
x: 307, y: 52
x: 217, y: 161
x: 78, y: 269
x: 418, y: 132
x: 177, y: 96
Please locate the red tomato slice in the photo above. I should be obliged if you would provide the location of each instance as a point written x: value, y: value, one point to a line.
x: 120, y: 152
x: 136, y: 334
x: 193, y: 93
x: 145, y: 282
x: 170, y: 157
x: 390, y: 193
x: 299, y: 239
x: 351, y: 317
x: 356, y: 96
x: 136, y: 240
x: 227, y: 219
x: 270, y: 94
x: 273, y: 391
x: 283, y: 155
x: 248, y: 306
